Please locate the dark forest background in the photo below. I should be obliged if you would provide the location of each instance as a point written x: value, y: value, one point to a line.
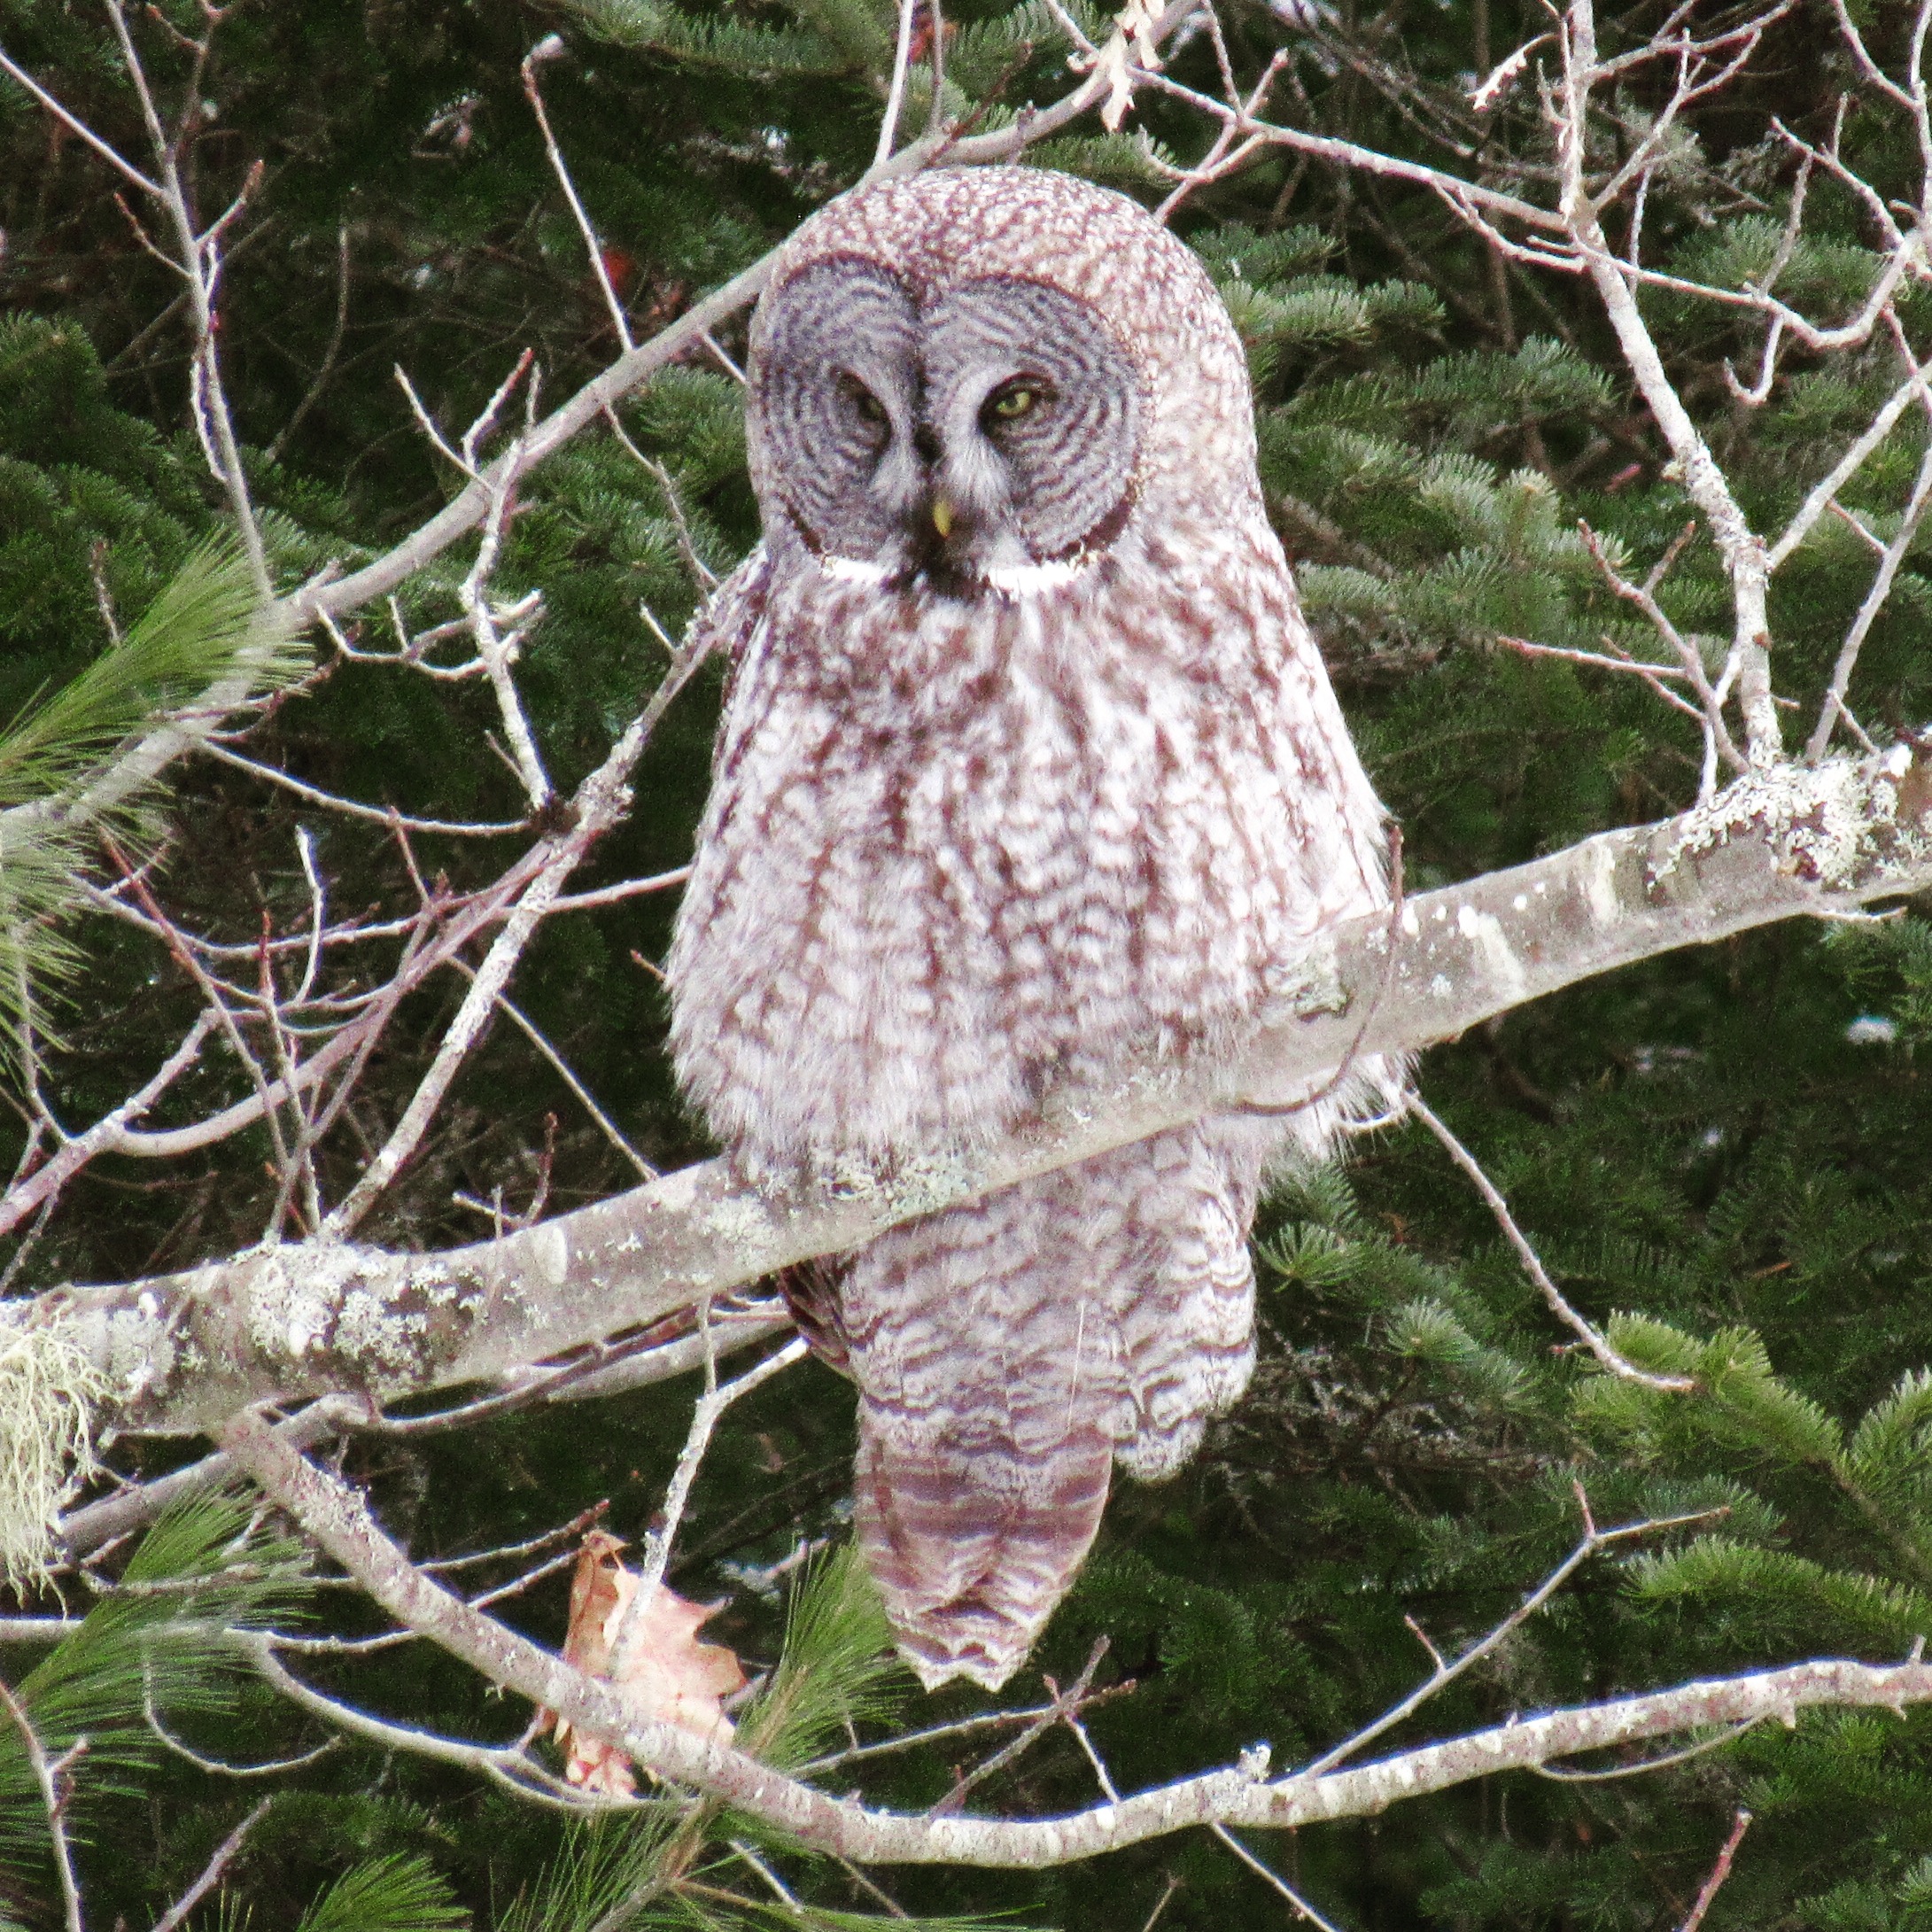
x: 1728, y: 1145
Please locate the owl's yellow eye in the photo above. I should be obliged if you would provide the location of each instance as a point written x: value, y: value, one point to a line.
x: 1013, y: 400
x: 862, y: 400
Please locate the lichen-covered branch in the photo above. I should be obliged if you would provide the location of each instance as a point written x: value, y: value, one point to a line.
x: 178, y: 1351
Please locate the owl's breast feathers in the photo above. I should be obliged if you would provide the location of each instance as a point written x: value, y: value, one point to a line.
x: 959, y: 850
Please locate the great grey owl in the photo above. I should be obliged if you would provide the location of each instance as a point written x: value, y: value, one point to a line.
x: 1029, y: 765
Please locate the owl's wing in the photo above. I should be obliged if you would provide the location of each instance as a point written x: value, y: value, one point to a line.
x: 810, y: 1290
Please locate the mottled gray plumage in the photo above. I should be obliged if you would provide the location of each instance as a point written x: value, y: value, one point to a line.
x: 1029, y: 766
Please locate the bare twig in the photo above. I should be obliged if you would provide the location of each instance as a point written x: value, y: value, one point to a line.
x: 550, y: 48
x: 1875, y: 600
x: 41, y: 1187
x: 222, y: 1767
x: 1600, y: 1349
x: 704, y: 1415
x: 902, y: 61
x: 1719, y: 1872
x: 319, y: 382
x: 705, y: 576
x: 340, y: 1522
x: 1065, y: 1709
x: 351, y: 808
x: 48, y: 1773
x: 197, y: 253
x: 506, y: 1765
x: 222, y: 1857
x: 600, y: 802
x: 1593, y: 1540
x: 1302, y: 1909
x: 564, y: 1072
x: 75, y: 126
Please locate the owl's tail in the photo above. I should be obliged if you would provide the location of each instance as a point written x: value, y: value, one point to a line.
x: 1007, y: 1352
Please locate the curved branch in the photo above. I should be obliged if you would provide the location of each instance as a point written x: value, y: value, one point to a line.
x: 339, y: 1521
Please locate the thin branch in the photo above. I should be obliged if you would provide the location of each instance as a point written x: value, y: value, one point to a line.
x: 1064, y: 1708
x: 43, y: 1186
x: 1875, y: 600
x: 1652, y: 674
x: 74, y: 125
x: 704, y: 1415
x: 1719, y: 1872
x: 198, y: 255
x: 222, y: 1857
x: 1105, y: 1778
x: 730, y: 1330
x: 629, y: 888
x: 600, y: 803
x: 505, y: 1764
x: 221, y: 1767
x: 1303, y: 1910
x: 563, y: 1532
x: 1704, y: 479
x: 911, y: 1740
x: 353, y: 808
x: 1593, y: 1540
x: 1161, y: 1904
x: 319, y: 382
x: 340, y: 1522
x: 47, y: 1775
x: 1643, y: 1766
x: 901, y: 59
x: 561, y: 1067
x: 97, y: 1524
x: 705, y: 576
x: 547, y: 50
x: 1606, y: 1357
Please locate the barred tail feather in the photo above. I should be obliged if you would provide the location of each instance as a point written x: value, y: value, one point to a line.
x: 1009, y: 1351
x: 992, y: 1396
x: 973, y: 1547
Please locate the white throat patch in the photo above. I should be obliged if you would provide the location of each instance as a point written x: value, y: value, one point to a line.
x: 1009, y: 580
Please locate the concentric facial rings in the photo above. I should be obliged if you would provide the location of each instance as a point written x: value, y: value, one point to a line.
x: 994, y: 426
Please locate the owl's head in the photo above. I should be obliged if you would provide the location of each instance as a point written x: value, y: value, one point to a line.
x: 982, y: 381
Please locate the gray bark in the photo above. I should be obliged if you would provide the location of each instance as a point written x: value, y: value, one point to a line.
x: 180, y: 1351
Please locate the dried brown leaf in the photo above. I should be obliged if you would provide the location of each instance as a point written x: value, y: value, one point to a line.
x: 668, y: 1676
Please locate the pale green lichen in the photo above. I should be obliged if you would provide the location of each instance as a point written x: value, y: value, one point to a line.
x: 1828, y: 825
x: 742, y: 1226
x: 1307, y: 986
x: 49, y: 1385
x: 933, y: 1182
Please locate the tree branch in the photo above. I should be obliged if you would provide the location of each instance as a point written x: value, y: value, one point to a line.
x: 183, y: 1350
x: 338, y: 1520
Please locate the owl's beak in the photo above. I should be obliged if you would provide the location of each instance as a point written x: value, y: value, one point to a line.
x: 942, y: 515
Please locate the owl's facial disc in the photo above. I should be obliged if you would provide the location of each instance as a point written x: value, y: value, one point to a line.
x: 982, y: 442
